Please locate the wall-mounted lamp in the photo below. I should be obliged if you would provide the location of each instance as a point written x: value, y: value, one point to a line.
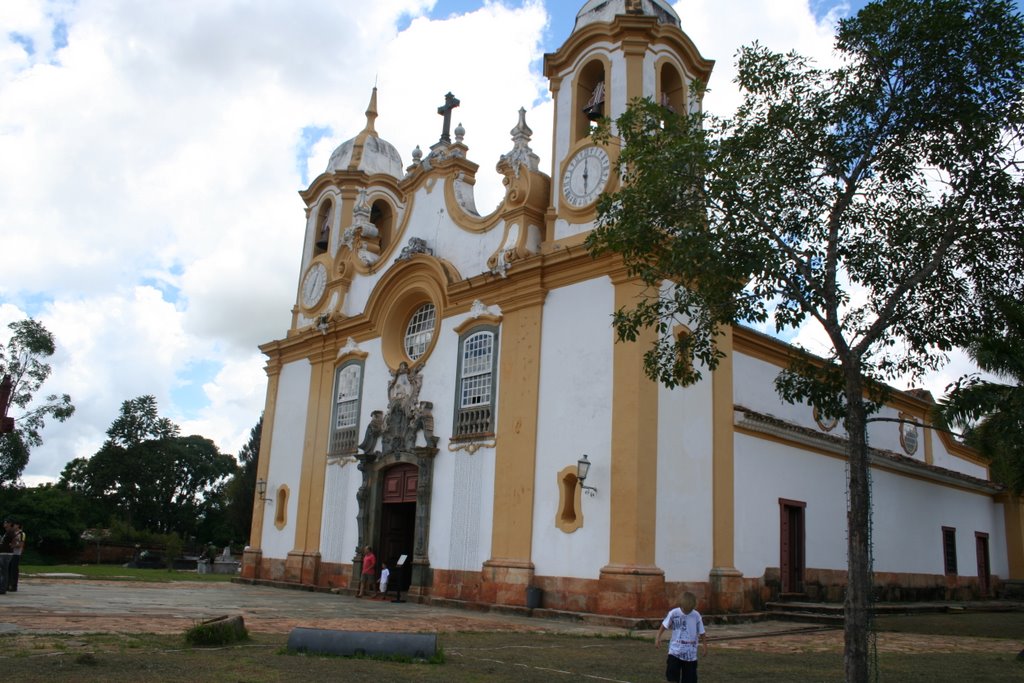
x: 261, y: 490
x: 582, y: 470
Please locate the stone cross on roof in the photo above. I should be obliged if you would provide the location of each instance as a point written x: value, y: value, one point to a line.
x: 445, y: 110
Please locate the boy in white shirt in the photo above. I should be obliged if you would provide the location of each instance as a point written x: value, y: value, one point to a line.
x: 687, y: 628
x: 385, y: 573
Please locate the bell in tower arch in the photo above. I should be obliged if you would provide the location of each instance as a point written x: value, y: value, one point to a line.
x: 595, y: 105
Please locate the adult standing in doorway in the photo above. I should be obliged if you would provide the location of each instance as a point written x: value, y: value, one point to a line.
x: 366, y: 580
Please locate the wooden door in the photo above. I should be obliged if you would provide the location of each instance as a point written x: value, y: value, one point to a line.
x: 398, y: 522
x: 791, y: 545
x: 984, y: 571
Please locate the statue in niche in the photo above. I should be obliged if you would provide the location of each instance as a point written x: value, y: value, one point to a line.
x: 423, y: 421
x: 374, y: 430
x: 403, y: 394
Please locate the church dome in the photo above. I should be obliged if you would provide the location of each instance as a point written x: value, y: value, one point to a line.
x: 367, y: 152
x: 606, y: 10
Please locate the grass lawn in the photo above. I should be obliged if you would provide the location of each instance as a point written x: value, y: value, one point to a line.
x: 471, y: 657
x: 115, y: 572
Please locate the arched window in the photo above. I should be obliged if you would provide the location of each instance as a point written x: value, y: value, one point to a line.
x: 348, y: 386
x: 477, y: 379
x: 322, y: 229
x: 420, y: 330
x: 382, y: 217
x: 591, y: 86
x: 672, y: 90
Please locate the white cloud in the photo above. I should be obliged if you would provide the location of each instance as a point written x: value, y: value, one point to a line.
x: 719, y: 29
x: 149, y: 213
x: 148, y: 180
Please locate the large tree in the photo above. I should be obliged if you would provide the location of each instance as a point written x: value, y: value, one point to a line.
x: 879, y: 200
x: 23, y: 370
x: 991, y: 412
x: 148, y: 475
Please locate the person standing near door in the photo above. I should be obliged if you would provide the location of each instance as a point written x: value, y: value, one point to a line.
x: 366, y: 580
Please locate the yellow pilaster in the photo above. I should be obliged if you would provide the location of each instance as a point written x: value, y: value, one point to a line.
x: 314, y: 455
x: 634, y: 456
x: 1013, y: 513
x: 252, y: 556
x: 510, y: 568
x: 635, y: 48
x: 273, y: 370
x: 722, y: 469
x: 726, y: 581
x: 631, y: 583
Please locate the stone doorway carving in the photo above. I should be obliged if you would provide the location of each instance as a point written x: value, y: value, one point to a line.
x: 407, y: 446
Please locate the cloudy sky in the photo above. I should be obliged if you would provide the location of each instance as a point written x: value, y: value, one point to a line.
x: 151, y: 154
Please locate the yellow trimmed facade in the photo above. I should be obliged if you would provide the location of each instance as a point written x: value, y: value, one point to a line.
x: 439, y: 383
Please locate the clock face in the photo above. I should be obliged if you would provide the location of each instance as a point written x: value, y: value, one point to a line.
x: 313, y: 285
x: 585, y: 176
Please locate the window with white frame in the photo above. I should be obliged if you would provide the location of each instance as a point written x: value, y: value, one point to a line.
x: 420, y: 331
x: 348, y: 384
x: 474, y: 400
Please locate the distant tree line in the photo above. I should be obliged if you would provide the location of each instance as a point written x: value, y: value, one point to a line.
x: 147, y: 484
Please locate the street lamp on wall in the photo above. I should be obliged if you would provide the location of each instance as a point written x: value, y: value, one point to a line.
x: 582, y: 470
x: 261, y: 490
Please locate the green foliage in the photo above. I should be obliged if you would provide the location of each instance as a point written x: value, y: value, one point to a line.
x: 51, y: 517
x: 148, y: 476
x: 879, y: 200
x: 990, y: 412
x: 23, y: 360
x: 241, y: 488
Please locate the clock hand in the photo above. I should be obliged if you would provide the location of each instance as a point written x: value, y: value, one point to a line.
x: 586, y: 175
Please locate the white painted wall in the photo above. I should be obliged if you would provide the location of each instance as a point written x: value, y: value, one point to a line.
x: 684, y: 485
x: 575, y: 418
x: 336, y: 545
x: 430, y: 220
x: 907, y: 519
x: 766, y: 471
x: 286, y: 455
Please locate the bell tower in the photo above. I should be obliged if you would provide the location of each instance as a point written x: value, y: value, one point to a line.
x: 619, y: 50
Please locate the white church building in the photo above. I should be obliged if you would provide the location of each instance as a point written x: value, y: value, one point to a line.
x: 440, y: 383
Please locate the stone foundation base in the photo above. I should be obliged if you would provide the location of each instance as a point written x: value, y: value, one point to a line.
x: 631, y: 591
x: 504, y: 582
x: 627, y: 592
x: 302, y: 568
x: 252, y: 559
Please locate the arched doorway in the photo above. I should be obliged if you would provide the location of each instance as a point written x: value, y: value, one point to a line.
x: 398, y: 520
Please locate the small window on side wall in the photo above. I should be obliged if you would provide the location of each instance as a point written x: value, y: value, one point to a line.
x: 477, y: 373
x: 348, y: 385
x: 949, y: 549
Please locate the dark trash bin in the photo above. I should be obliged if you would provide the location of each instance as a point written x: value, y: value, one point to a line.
x: 533, y: 597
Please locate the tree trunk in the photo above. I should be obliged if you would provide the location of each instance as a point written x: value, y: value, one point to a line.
x: 857, y: 608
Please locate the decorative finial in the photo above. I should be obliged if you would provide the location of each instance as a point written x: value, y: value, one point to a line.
x: 417, y: 154
x: 521, y: 154
x: 460, y: 133
x: 371, y: 112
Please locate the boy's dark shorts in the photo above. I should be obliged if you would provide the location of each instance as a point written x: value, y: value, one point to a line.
x: 678, y: 670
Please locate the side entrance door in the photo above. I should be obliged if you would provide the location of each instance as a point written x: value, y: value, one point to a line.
x: 792, y: 545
